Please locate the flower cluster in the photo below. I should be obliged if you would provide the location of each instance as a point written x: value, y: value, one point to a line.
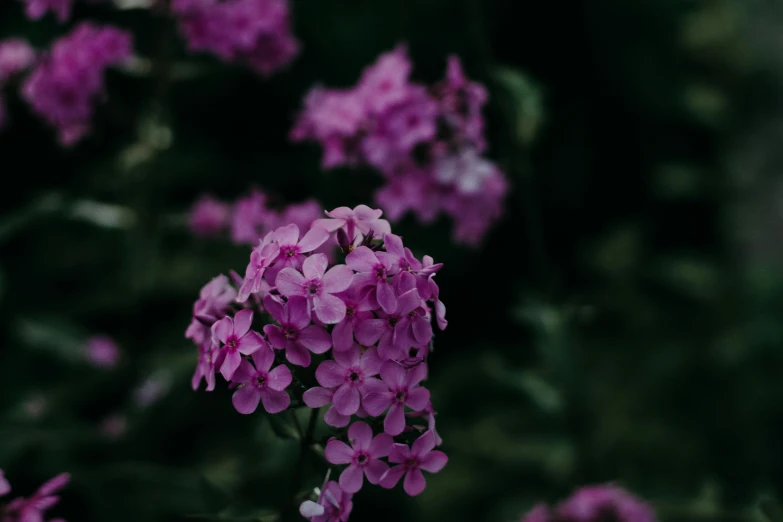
x: 37, y: 9
x: 427, y: 142
x: 15, y: 57
x: 595, y: 504
x: 69, y: 80
x: 365, y: 324
x: 249, y: 218
x: 33, y: 508
x: 256, y: 33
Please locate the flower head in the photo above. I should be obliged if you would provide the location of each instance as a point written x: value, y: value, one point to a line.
x: 33, y: 508
x: 362, y: 456
x: 422, y: 455
x: 295, y: 334
x: 400, y: 388
x: 102, y: 351
x: 15, y: 57
x: 317, y: 285
x: 350, y: 374
x: 261, y: 383
x: 209, y: 216
x: 234, y: 337
x: 5, y: 487
x: 36, y: 9
x: 334, y: 505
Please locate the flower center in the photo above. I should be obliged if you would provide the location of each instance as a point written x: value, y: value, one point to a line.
x: 401, y: 396
x: 289, y: 250
x: 289, y: 332
x: 393, y: 320
x: 354, y: 376
x: 261, y: 381
x: 349, y: 311
x: 413, y: 352
x: 380, y: 272
x: 313, y: 287
x: 231, y: 343
x: 362, y: 459
x: 412, y: 463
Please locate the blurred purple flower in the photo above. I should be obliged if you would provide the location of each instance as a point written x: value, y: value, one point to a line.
x: 102, y: 351
x: 209, y: 216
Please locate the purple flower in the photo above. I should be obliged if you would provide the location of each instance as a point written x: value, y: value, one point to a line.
x: 207, y: 355
x: 261, y: 384
x: 357, y: 308
x: 36, y: 9
x: 385, y: 83
x: 540, y: 513
x: 361, y: 219
x: 429, y: 413
x: 15, y: 57
x: 420, y: 456
x: 66, y: 85
x: 249, y: 217
x: 261, y: 258
x: 32, y: 509
x: 400, y: 388
x: 236, y: 338
x: 363, y: 456
x: 152, y: 389
x: 212, y: 305
x: 295, y: 334
x: 401, y: 256
x: 334, y: 505
x: 317, y: 285
x: 292, y: 249
x: 350, y: 373
x: 605, y: 502
x: 374, y: 269
x: 209, y: 216
x: 5, y: 487
x: 394, y: 329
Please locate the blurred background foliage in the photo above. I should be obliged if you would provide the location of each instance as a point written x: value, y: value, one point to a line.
x: 622, y: 323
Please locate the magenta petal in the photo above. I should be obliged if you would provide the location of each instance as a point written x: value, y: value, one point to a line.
x: 222, y: 329
x: 289, y: 282
x: 298, y: 312
x: 338, y: 452
x: 53, y: 484
x: 334, y: 419
x: 424, y: 444
x: 375, y: 470
x: 348, y: 357
x: 394, y: 374
x: 365, y: 213
x: 329, y: 309
x: 337, y: 279
x: 314, y: 238
x: 362, y: 259
x: 330, y: 225
x: 242, y: 321
x: 370, y: 362
x: 279, y: 379
x: 417, y: 374
x: 314, y: 266
x: 434, y: 461
x: 422, y: 330
x: 418, y: 398
x: 230, y: 365
x: 386, y: 297
x: 394, y: 422
x: 393, y: 244
x: 408, y: 302
x: 263, y: 359
x: 346, y: 400
x: 342, y: 336
x: 414, y: 482
x: 275, y: 401
x: 340, y: 213
x: 351, y: 479
x: 329, y: 374
x: 399, y: 453
x: 297, y: 354
x: 310, y: 509
x: 370, y: 330
x: 316, y: 339
x: 244, y: 373
x: 274, y: 307
x: 381, y: 445
x: 250, y: 343
x: 317, y: 397
x: 360, y: 435
x: 392, y: 477
x: 376, y: 403
x: 287, y: 235
x: 276, y: 336
x: 246, y: 399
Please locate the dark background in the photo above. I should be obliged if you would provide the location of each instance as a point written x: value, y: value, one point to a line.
x: 622, y: 323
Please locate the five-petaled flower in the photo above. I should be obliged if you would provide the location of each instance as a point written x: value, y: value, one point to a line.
x: 317, y: 285
x: 362, y: 456
x: 422, y: 455
x: 236, y: 338
x: 400, y: 388
x: 295, y: 334
x: 261, y: 383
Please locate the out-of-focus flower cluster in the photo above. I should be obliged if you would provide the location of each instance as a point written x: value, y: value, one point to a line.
x: 256, y: 33
x: 34, y: 508
x: 603, y: 503
x: 67, y: 81
x: 37, y: 9
x: 365, y: 323
x: 250, y: 217
x: 427, y: 142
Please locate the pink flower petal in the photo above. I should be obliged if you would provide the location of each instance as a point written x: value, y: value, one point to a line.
x: 392, y: 477
x: 340, y: 213
x: 370, y: 362
x: 316, y: 339
x: 244, y: 373
x: 314, y: 266
x: 297, y: 354
x: 287, y: 235
x: 314, y: 238
x: 394, y: 422
x: 276, y: 336
x: 290, y: 282
x: 417, y: 399
x: 230, y: 365
x: 362, y: 259
x: 370, y: 330
x: 349, y: 357
x: 263, y: 358
x: 394, y: 374
x: 376, y: 403
x: 346, y: 400
x: 434, y: 461
x: 360, y: 435
x: 298, y: 312
x: 380, y: 445
x: 342, y: 336
x: 417, y: 374
x: 246, y: 399
x: 351, y: 479
x: 329, y: 374
x: 422, y: 330
x: 337, y: 279
x: 386, y: 297
x: 329, y: 309
x: 375, y: 470
x: 334, y: 419
x: 275, y: 401
x: 399, y: 453
x: 424, y: 444
x: 242, y: 321
x: 274, y: 307
x: 222, y: 329
x: 407, y: 302
x: 280, y: 378
x: 250, y: 343
x: 414, y: 482
x: 317, y: 397
x: 338, y: 452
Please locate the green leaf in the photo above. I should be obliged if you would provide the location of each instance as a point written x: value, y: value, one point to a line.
x: 526, y: 101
